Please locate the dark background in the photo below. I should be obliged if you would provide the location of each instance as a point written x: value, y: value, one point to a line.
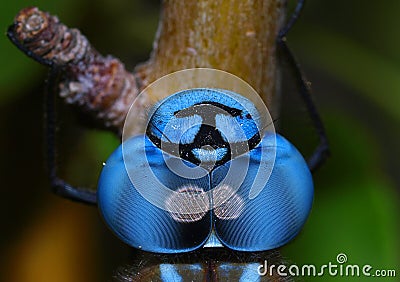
x: 348, y: 49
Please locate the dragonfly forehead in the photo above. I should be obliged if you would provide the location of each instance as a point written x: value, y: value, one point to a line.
x: 203, y: 122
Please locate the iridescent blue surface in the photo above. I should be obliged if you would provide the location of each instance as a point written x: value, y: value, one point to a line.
x: 279, y: 211
x: 138, y: 222
x: 268, y: 221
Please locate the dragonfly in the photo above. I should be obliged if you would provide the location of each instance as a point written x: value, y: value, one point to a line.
x: 206, y: 228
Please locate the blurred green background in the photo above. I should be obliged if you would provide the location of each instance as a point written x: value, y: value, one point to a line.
x: 348, y: 49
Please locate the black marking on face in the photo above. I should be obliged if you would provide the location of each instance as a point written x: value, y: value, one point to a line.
x: 203, y: 110
x: 208, y: 135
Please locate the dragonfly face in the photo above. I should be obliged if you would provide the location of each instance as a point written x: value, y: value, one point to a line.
x: 191, y: 179
x: 205, y: 126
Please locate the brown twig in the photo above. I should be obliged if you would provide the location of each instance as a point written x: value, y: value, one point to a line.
x: 98, y: 85
x: 238, y: 36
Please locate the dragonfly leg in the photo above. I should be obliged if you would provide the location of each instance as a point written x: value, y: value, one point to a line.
x: 59, y: 186
x: 11, y: 34
x: 321, y: 152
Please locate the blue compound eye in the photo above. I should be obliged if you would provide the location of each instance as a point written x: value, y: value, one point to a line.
x: 254, y: 193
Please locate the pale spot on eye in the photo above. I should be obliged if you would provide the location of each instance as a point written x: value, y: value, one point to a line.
x: 189, y: 204
x: 227, y: 203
